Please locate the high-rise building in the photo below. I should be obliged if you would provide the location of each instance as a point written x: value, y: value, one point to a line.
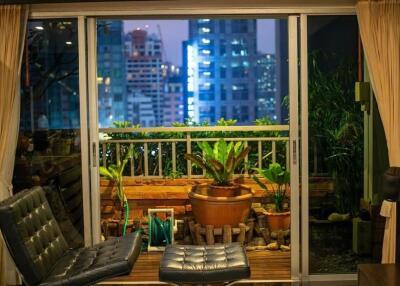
x: 111, y: 72
x: 144, y: 73
x: 140, y: 109
x: 282, y: 68
x: 173, y: 101
x: 218, y: 70
x: 266, y: 87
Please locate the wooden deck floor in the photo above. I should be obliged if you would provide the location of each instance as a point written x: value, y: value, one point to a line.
x: 265, y: 265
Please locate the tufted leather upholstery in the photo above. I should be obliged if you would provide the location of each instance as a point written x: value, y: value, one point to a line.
x: 67, y: 226
x: 41, y: 252
x: 204, y: 264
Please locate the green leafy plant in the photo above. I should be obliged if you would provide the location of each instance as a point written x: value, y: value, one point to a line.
x: 280, y: 179
x: 221, y: 161
x: 109, y: 153
x: 115, y: 174
x: 336, y: 127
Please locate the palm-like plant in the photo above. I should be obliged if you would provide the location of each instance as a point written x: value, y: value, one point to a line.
x: 221, y: 160
x: 280, y: 178
x: 115, y: 174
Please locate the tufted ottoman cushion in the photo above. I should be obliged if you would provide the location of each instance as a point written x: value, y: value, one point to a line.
x: 204, y: 264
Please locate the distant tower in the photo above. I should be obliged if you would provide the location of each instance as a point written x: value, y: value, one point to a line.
x: 144, y: 72
x: 267, y: 105
x: 111, y: 72
x: 282, y: 68
x: 218, y: 71
x: 173, y: 106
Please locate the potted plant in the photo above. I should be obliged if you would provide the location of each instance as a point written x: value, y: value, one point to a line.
x: 223, y: 202
x: 115, y: 174
x: 279, y: 218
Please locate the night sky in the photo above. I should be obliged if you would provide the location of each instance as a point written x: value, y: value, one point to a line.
x: 174, y: 32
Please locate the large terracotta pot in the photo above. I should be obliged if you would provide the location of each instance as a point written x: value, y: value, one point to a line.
x: 223, y: 191
x: 220, y: 211
x: 278, y: 221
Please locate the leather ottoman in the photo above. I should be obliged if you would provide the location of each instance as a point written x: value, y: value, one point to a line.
x: 196, y: 264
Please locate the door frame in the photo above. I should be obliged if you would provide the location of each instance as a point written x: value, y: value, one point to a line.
x: 304, y: 204
x: 295, y: 268
x: 89, y: 112
x: 293, y: 137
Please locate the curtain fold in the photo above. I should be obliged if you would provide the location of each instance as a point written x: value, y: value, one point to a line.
x: 13, y: 20
x: 389, y: 211
x: 379, y: 23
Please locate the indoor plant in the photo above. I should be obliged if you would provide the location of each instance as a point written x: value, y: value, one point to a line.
x: 279, y: 219
x: 220, y: 162
x: 115, y: 174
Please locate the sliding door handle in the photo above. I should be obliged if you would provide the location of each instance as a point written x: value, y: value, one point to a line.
x: 94, y: 155
x: 294, y: 153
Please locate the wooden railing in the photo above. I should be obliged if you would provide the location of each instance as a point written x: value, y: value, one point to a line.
x: 267, y: 144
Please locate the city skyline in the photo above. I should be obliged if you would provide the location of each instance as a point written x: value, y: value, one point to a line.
x: 174, y: 32
x: 224, y: 71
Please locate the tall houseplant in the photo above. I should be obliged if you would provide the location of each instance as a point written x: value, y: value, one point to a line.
x: 336, y: 127
x: 115, y: 174
x: 280, y: 179
x: 223, y: 202
x: 220, y: 163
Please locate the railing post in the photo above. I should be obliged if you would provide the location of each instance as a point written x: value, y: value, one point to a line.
x: 204, y: 170
x: 173, y: 157
x: 189, y: 150
x: 146, y: 159
x: 132, y: 163
x: 159, y: 159
x: 246, y: 160
x: 259, y: 154
x: 118, y: 151
x: 273, y: 151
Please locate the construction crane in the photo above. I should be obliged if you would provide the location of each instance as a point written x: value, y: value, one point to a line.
x: 162, y: 43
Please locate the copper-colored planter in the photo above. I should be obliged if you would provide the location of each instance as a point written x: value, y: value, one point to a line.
x: 278, y: 221
x: 223, y: 191
x: 220, y: 211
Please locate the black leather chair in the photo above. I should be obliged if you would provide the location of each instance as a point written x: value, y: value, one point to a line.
x: 195, y: 264
x: 42, y: 254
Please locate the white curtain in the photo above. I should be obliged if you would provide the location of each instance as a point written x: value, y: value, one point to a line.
x: 13, y: 20
x: 379, y: 23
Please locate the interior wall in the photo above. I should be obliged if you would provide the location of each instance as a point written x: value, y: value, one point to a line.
x: 191, y: 7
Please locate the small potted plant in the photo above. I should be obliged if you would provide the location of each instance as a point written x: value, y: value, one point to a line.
x: 223, y: 202
x: 279, y: 218
x: 115, y: 174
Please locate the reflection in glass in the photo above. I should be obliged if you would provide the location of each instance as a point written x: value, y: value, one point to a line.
x: 48, y: 152
x: 340, y: 228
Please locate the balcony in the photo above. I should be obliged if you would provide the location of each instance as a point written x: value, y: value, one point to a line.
x: 268, y: 143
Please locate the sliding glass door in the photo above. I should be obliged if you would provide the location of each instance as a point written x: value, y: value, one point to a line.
x: 340, y: 228
x: 49, y: 151
x: 160, y: 86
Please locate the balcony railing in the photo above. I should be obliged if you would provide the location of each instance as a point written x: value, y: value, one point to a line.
x: 161, y: 149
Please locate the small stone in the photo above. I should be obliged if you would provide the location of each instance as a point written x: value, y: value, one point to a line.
x: 285, y: 248
x: 258, y: 241
x: 273, y: 246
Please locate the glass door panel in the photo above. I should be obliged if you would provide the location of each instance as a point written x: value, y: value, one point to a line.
x: 339, y: 222
x: 49, y: 143
x: 158, y: 75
